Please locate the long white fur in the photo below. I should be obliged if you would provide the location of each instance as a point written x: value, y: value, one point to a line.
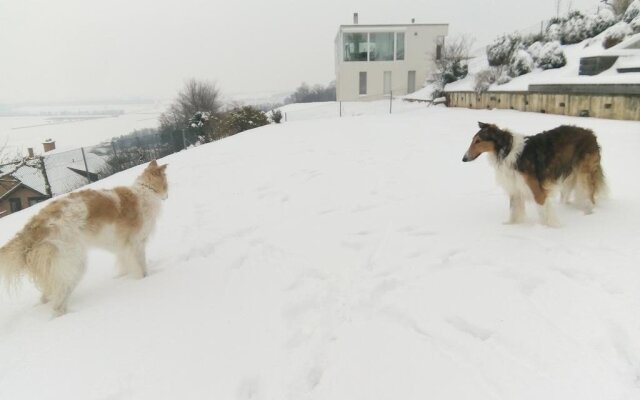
x: 516, y: 187
x: 59, y: 263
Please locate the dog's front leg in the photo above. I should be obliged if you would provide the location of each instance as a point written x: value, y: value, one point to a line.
x: 132, y: 259
x: 516, y: 208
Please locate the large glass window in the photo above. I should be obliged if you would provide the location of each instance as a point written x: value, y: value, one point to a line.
x: 400, y: 46
x: 373, y: 46
x: 381, y: 47
x: 355, y: 46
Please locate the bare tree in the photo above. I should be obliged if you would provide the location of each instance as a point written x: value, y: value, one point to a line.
x: 195, y: 97
x: 450, y: 60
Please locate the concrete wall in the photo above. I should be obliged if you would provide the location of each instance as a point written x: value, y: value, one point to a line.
x: 625, y: 107
x: 420, y: 47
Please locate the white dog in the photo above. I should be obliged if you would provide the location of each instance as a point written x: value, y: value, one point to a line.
x: 52, y: 248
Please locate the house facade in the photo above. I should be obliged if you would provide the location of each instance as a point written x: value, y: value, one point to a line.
x: 16, y: 195
x: 375, y: 61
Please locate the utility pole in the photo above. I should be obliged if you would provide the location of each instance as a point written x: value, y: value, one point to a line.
x: 86, y: 166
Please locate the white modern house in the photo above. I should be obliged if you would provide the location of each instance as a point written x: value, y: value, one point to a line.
x: 373, y: 61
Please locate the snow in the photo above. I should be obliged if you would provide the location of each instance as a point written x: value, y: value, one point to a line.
x: 352, y: 258
x: 565, y: 75
x: 71, y: 131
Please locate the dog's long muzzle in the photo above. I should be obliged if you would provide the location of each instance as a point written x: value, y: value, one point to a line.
x: 465, y: 158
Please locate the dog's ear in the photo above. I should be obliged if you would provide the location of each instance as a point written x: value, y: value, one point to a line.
x: 163, y: 167
x: 482, y: 125
x: 153, y: 164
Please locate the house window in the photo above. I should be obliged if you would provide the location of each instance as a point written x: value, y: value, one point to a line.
x: 411, y: 84
x: 15, y: 204
x: 399, y: 46
x: 386, y: 84
x: 363, y: 83
x: 439, y: 47
x: 374, y: 46
x: 381, y: 46
x: 356, y: 46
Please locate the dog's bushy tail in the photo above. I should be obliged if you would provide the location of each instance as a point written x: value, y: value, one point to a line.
x: 12, y: 263
x: 599, y: 183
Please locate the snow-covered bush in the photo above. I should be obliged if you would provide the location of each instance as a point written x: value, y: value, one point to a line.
x: 551, y: 56
x: 616, y: 34
x: 632, y: 11
x: 635, y: 24
x: 500, y: 51
x: 521, y: 63
x: 451, y: 64
x: 553, y: 31
x: 276, y: 116
x: 574, y: 28
x: 238, y: 120
x: 599, y: 22
x: 534, y: 50
x: 485, y: 78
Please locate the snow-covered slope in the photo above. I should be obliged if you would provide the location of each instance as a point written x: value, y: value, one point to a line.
x: 569, y: 74
x: 353, y: 258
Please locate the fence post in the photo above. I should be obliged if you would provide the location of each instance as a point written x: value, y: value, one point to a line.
x: 285, y: 116
x: 184, y: 140
x: 390, y: 100
x: 86, y: 166
x: 341, y: 109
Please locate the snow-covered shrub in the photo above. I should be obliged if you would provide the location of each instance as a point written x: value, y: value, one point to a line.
x: 534, y: 50
x: 551, y: 56
x: 616, y: 34
x: 553, y: 31
x: 574, y: 28
x: 632, y: 11
x: 451, y: 65
x: 454, y: 71
x: 485, y: 78
x: 635, y: 24
x: 598, y: 23
x: 530, y: 39
x: 503, y: 76
x: 500, y: 51
x: 521, y: 63
x: 276, y: 116
x: 238, y: 120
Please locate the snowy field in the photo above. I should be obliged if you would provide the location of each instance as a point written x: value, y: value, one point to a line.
x: 353, y: 258
x: 73, y: 129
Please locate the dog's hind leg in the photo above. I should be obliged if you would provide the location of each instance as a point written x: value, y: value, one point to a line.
x: 66, y: 272
x: 567, y: 188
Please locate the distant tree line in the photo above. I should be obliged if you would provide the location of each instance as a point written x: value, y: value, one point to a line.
x: 310, y: 94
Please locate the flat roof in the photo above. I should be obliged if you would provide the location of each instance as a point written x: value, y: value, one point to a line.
x: 386, y: 25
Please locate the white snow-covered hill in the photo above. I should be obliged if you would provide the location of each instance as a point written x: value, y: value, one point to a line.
x: 353, y: 258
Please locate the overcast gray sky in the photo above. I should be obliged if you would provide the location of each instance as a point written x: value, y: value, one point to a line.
x: 68, y: 50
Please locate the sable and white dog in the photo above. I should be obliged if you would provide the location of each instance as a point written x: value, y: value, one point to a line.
x: 565, y: 158
x: 52, y: 248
